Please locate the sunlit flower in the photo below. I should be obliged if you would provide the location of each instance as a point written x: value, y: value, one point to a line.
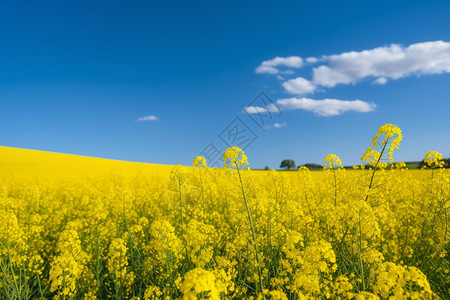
x: 234, y: 157
x: 199, y: 161
x: 433, y: 159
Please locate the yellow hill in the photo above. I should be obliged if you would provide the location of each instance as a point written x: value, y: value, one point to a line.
x: 24, y: 163
x: 17, y: 162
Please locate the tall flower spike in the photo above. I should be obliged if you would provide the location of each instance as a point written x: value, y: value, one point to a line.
x: 332, y: 161
x: 199, y: 161
x: 385, y: 141
x: 234, y: 157
x: 433, y: 159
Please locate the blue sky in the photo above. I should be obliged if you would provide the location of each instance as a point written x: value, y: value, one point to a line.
x: 75, y: 77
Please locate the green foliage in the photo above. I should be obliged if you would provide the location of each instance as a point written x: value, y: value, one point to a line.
x: 288, y: 164
x: 312, y: 166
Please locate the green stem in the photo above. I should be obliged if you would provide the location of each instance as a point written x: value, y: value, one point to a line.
x: 201, y: 189
x: 180, y: 201
x: 252, y: 229
x: 360, y: 249
x: 335, y: 187
x: 375, y: 169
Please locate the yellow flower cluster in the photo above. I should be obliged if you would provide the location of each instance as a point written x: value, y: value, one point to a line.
x: 199, y: 161
x: 433, y: 159
x: 233, y: 233
x: 398, y: 282
x: 67, y: 268
x: 234, y: 157
x: 118, y: 266
x: 383, y: 145
x: 332, y: 161
x: 202, y: 284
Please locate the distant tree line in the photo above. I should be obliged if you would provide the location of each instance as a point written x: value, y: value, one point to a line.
x: 446, y: 165
x: 290, y: 164
x: 312, y: 166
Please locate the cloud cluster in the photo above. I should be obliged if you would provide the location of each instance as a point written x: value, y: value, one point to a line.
x: 379, y: 64
x: 299, y: 86
x: 326, y: 107
x: 383, y: 63
x: 254, y: 110
x: 147, y: 118
x: 271, y: 66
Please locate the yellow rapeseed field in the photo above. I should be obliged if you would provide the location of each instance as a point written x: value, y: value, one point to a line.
x: 76, y: 227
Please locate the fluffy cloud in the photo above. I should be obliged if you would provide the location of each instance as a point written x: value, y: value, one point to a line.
x: 254, y: 110
x: 325, y: 107
x: 270, y: 66
x: 299, y: 86
x: 147, y: 118
x: 279, y: 125
x: 378, y: 64
x: 383, y: 63
x: 311, y: 60
x: 380, y: 80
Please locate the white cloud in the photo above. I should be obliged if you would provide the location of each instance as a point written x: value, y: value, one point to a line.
x: 279, y: 125
x: 383, y: 63
x: 326, y: 107
x: 328, y: 77
x: 380, y: 64
x: 147, y: 118
x: 380, y: 80
x: 299, y: 86
x: 270, y: 66
x: 311, y: 60
x: 254, y: 110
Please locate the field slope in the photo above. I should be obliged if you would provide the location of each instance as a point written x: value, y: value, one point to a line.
x: 34, y: 163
